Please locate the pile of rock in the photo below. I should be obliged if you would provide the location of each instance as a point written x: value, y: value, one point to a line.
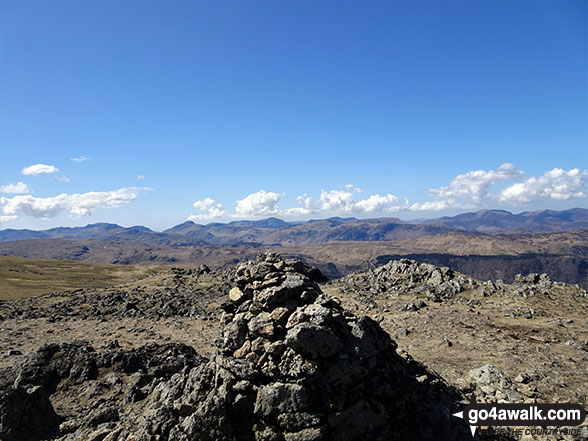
x: 541, y: 280
x: 493, y: 386
x: 532, y: 284
x: 541, y: 284
x: 293, y: 365
x: 407, y: 276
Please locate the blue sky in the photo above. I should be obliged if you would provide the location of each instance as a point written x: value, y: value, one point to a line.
x: 230, y: 110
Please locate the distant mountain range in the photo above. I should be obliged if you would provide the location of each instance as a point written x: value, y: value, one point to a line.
x: 504, y: 222
x: 275, y: 231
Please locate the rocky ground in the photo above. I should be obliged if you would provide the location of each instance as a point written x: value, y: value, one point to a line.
x: 292, y: 360
x: 535, y: 329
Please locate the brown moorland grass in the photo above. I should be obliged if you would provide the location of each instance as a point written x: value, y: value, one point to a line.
x: 22, y: 277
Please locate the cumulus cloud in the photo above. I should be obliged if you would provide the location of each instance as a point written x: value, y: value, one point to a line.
x: 305, y: 201
x: 467, y: 191
x: 262, y: 203
x: 474, y: 185
x: 63, y: 179
x: 37, y: 169
x: 335, y: 200
x: 18, y: 188
x: 208, y: 208
x: 80, y: 159
x: 376, y: 203
x: 140, y: 177
x: 555, y: 184
x: 77, y: 204
x: 345, y: 200
x: 265, y: 203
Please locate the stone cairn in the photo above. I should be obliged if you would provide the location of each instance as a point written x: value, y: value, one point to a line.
x: 292, y: 365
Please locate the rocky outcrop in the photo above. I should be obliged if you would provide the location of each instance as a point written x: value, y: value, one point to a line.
x: 102, y: 386
x: 439, y: 284
x: 407, y: 276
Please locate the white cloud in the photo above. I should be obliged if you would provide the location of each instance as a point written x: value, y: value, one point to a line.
x: 264, y: 203
x: 78, y: 204
x: 295, y: 211
x: 80, y: 159
x: 37, y: 169
x: 556, y: 184
x: 377, y: 203
x: 209, y: 209
x: 474, y: 185
x: 333, y: 201
x: 63, y: 179
x: 353, y: 188
x: 304, y: 200
x: 140, y: 177
x: 261, y: 203
x: 439, y: 205
x: 18, y: 188
x: 6, y: 219
x: 305, y: 206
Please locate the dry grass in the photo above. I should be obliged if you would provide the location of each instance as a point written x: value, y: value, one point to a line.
x: 22, y: 277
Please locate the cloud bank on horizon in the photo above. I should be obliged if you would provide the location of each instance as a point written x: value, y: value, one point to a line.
x: 467, y: 191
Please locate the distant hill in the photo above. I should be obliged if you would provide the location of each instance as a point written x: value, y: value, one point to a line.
x: 273, y: 231
x: 271, y: 222
x: 503, y: 222
x: 98, y: 231
x: 307, y: 233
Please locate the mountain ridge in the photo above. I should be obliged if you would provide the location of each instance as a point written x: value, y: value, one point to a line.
x: 274, y: 231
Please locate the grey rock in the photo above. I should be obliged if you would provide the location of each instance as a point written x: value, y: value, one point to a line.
x: 488, y: 375
x: 280, y: 398
x: 262, y: 325
x: 369, y: 338
x: 294, y: 422
x: 313, y: 340
x: 311, y: 434
x: 104, y: 415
